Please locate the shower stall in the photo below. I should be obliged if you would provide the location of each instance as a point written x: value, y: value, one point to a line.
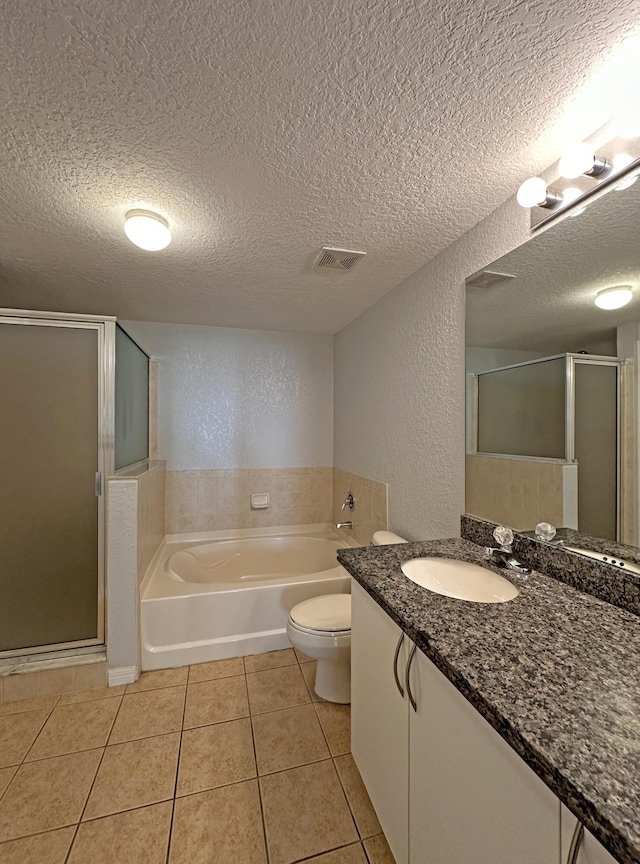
x: 74, y: 396
x: 566, y: 408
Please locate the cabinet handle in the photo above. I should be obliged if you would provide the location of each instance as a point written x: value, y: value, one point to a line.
x: 414, y: 704
x: 395, y: 664
x: 576, y: 842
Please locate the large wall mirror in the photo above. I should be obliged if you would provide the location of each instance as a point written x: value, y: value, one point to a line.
x: 552, y: 380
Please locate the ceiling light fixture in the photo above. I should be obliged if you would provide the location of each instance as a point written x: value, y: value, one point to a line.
x: 534, y: 193
x: 580, y: 159
x: 614, y: 298
x: 147, y: 230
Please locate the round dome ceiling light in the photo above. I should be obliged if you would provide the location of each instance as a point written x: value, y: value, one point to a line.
x: 614, y: 298
x: 147, y: 230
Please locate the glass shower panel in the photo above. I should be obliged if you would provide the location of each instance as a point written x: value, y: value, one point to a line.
x: 596, y: 448
x: 48, y: 505
x: 132, y: 401
x: 522, y: 410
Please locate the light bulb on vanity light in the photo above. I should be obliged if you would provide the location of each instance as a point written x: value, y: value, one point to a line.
x: 568, y: 196
x: 620, y: 162
x: 147, y: 230
x: 614, y: 298
x: 580, y: 159
x: 534, y: 193
x: 627, y: 109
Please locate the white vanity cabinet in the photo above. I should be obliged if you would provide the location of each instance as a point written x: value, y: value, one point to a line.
x: 379, y: 720
x: 446, y: 787
x: 473, y: 800
x: 589, y: 851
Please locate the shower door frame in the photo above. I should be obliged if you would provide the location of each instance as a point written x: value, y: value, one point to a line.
x: 105, y: 327
x: 595, y: 360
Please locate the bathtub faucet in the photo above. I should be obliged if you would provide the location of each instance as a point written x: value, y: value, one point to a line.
x: 344, y: 525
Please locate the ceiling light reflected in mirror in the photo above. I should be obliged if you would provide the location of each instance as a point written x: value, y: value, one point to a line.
x: 147, y: 230
x: 614, y: 298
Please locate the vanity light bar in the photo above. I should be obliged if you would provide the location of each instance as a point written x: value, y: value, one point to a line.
x: 583, y: 173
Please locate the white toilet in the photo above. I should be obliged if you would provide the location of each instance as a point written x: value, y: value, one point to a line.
x: 321, y: 629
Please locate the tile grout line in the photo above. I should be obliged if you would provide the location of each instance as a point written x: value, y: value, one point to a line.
x: 255, y: 756
x: 346, y: 796
x: 93, y: 782
x: 175, y: 785
x: 10, y: 781
x: 29, y: 748
x: 267, y: 854
x: 329, y: 851
x: 70, y: 752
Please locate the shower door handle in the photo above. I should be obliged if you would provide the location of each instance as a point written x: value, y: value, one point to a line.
x: 98, y: 483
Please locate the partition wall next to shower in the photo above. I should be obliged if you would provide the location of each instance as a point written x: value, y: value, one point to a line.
x: 74, y: 396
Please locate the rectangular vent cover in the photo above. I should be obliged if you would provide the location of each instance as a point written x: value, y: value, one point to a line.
x: 487, y: 278
x: 338, y: 259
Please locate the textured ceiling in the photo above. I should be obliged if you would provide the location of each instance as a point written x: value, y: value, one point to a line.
x: 549, y: 306
x: 265, y: 129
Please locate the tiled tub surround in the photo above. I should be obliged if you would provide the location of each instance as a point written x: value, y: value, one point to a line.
x: 521, y: 492
x: 554, y: 671
x: 236, y: 762
x: 604, y: 581
x: 201, y: 501
x: 370, y: 511
x: 218, y: 500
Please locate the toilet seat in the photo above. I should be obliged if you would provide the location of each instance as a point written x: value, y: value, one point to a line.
x: 321, y: 634
x: 329, y: 614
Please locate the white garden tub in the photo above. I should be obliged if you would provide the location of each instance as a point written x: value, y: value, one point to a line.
x: 214, y: 597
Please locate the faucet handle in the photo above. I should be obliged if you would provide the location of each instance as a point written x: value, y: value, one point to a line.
x: 503, y: 535
x: 545, y: 531
x: 349, y: 501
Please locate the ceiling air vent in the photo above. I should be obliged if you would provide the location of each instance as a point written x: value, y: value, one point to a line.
x: 487, y: 278
x: 338, y: 259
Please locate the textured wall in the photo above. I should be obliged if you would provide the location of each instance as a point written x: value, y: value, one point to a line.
x: 399, y: 383
x: 240, y: 398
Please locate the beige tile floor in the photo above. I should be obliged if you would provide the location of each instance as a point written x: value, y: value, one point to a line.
x: 231, y: 762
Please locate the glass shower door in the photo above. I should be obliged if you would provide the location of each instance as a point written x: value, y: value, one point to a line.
x: 50, y: 560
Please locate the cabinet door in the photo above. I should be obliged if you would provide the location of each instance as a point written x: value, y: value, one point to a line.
x: 473, y: 799
x: 590, y: 850
x: 379, y: 721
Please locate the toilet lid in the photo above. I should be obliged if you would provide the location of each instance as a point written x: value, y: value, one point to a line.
x: 330, y: 612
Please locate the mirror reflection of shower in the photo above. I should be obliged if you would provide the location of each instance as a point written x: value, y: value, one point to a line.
x: 544, y: 442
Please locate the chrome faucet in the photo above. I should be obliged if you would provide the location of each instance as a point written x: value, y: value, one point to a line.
x: 344, y: 524
x: 503, y: 554
x: 504, y: 557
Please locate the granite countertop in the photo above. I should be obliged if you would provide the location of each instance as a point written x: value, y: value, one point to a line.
x: 555, y: 671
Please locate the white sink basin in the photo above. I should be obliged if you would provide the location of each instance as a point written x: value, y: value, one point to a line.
x: 459, y: 579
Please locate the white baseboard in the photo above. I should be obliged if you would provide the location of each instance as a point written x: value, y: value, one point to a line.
x: 123, y: 675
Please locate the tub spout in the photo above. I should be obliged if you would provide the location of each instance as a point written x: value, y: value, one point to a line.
x: 344, y: 525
